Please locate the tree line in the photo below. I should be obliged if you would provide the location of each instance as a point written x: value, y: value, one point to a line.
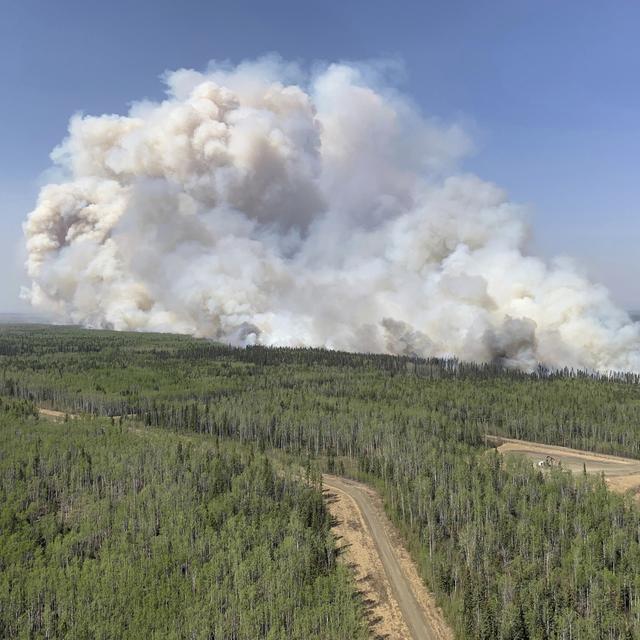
x: 511, y: 552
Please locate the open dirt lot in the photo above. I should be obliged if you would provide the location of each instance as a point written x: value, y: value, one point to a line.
x: 55, y: 415
x: 621, y: 474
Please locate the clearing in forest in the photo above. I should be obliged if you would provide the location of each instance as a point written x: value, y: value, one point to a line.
x: 621, y: 474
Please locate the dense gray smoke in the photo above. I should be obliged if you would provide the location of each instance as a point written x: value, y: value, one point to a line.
x: 259, y: 205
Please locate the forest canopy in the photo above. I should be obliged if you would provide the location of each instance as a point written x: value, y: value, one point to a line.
x: 510, y: 551
x: 108, y: 532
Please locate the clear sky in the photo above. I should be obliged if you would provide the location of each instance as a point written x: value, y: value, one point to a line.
x: 549, y: 90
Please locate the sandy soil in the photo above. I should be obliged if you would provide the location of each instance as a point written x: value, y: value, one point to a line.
x: 55, y: 415
x: 399, y: 605
x: 621, y: 474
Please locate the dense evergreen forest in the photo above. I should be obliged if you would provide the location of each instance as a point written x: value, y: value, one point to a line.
x: 108, y: 532
x: 511, y: 553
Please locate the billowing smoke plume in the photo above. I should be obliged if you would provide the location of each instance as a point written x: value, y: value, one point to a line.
x: 257, y: 205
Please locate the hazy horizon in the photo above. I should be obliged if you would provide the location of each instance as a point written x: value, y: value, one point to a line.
x: 429, y: 167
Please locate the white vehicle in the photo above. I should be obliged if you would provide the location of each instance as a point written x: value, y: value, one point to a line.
x: 548, y: 462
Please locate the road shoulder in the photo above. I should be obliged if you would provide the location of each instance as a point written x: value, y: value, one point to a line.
x: 387, y: 618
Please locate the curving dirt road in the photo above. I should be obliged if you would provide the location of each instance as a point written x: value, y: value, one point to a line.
x: 401, y: 606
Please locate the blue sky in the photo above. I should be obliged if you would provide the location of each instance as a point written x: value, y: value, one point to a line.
x: 549, y: 91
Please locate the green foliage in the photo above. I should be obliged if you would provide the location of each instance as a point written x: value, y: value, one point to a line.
x: 107, y: 532
x: 511, y: 552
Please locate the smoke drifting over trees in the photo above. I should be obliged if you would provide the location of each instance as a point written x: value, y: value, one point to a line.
x: 259, y: 204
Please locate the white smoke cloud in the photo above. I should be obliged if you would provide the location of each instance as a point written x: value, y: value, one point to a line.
x: 257, y: 205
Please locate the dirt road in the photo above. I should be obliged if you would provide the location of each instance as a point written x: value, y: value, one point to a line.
x: 400, y: 605
x: 621, y: 474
